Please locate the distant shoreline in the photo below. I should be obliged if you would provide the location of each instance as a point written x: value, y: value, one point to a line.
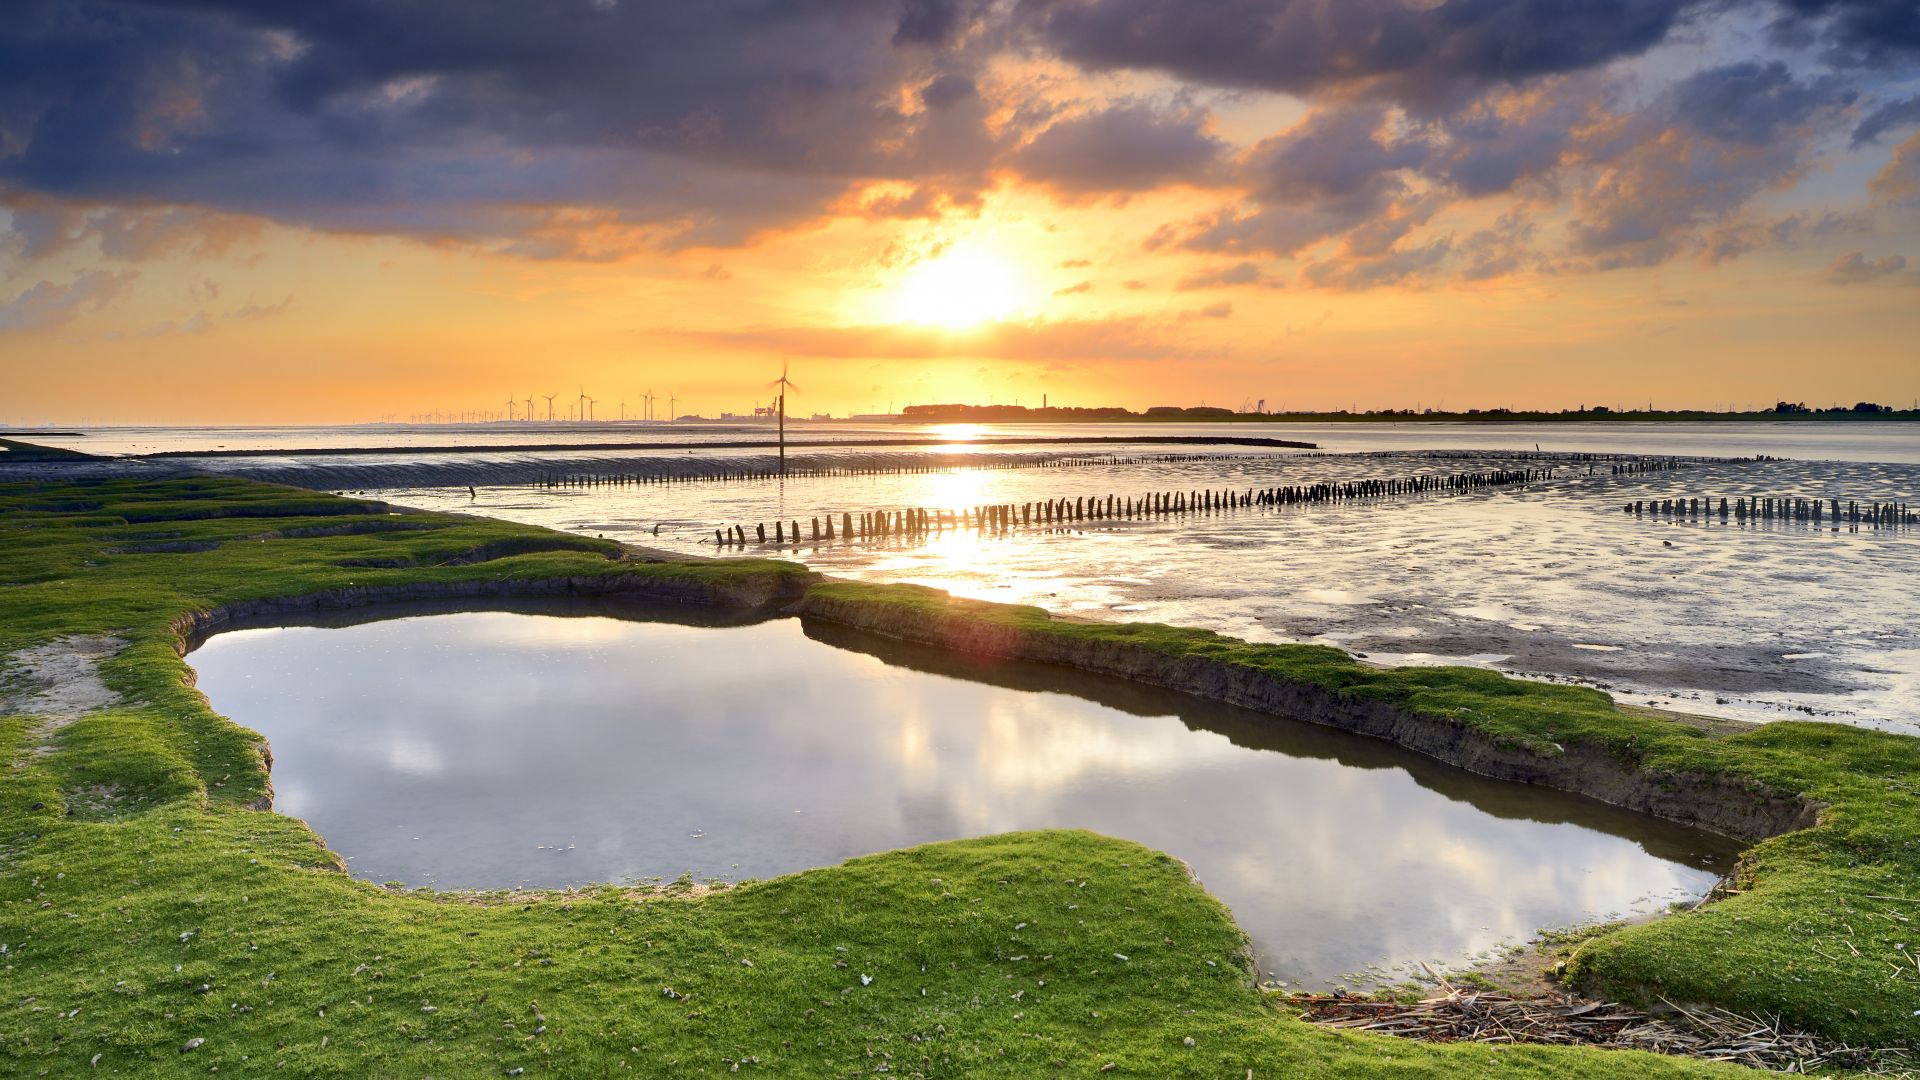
x: 988, y: 415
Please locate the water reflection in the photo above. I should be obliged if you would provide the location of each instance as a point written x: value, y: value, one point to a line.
x: 488, y: 749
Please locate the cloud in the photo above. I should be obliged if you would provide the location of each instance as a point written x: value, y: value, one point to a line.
x: 1898, y: 182
x: 1854, y: 268
x: 197, y: 323
x: 49, y: 303
x: 1712, y: 143
x: 1753, y: 103
x: 1863, y: 33
x: 1221, y: 310
x: 251, y: 310
x: 1334, y: 171
x: 1734, y: 238
x: 1417, y: 54
x: 41, y: 227
x: 1888, y: 117
x: 1496, y: 252
x: 1070, y: 290
x: 1389, y: 268
x: 1508, y: 137
x: 1220, y: 277
x: 703, y: 122
x: 140, y: 129
x: 1127, y: 147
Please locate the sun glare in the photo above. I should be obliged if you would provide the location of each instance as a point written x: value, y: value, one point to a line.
x: 961, y: 288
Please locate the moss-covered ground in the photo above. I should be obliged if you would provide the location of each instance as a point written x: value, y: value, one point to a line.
x: 144, y: 905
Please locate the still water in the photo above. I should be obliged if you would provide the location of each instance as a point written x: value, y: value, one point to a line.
x: 497, y: 749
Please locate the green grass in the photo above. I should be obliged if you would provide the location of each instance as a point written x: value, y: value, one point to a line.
x: 143, y: 903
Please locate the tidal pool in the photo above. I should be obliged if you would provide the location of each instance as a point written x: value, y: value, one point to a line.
x: 533, y: 748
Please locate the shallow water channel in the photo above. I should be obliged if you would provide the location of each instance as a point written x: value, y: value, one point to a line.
x: 539, y: 748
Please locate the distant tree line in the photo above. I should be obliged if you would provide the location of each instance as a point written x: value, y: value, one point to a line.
x: 1791, y: 407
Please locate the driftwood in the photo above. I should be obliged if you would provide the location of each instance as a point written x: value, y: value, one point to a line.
x: 1462, y: 1015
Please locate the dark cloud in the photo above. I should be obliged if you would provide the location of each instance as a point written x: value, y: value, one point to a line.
x: 584, y: 129
x: 931, y: 22
x: 1131, y: 146
x: 1417, y: 53
x: 1492, y: 145
x: 1870, y: 33
x: 1888, y: 117
x: 1694, y: 159
x: 1753, y: 103
x: 1333, y: 172
x: 709, y: 119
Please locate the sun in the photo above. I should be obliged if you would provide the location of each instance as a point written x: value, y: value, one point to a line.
x: 962, y: 287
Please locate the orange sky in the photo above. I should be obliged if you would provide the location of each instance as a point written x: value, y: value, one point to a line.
x: 1010, y: 274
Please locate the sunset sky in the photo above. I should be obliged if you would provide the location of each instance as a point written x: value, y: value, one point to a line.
x: 340, y: 210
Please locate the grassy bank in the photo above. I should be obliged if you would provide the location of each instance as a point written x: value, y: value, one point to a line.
x: 1821, y: 927
x: 144, y: 904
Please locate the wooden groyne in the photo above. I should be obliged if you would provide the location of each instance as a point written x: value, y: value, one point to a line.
x: 918, y: 523
x: 949, y: 464
x: 1851, y: 515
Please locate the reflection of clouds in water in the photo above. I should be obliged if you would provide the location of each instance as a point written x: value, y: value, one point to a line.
x: 413, y: 755
x: 555, y: 751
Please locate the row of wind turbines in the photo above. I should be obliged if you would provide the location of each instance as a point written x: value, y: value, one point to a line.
x: 583, y: 407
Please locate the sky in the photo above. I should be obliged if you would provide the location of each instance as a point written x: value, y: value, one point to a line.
x: 252, y: 211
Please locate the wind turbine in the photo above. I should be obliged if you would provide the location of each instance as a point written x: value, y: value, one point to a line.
x: 623, y: 410
x: 510, y: 404
x: 648, y: 398
x: 591, y: 402
x: 673, y: 406
x: 784, y: 384
x: 580, y: 405
x: 550, y: 398
x: 529, y: 406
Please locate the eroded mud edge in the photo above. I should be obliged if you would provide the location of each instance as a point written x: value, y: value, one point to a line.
x: 1730, y: 805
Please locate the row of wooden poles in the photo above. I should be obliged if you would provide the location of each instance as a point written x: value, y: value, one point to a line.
x: 1852, y: 514
x: 622, y: 479
x: 916, y: 523
x: 1651, y: 465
